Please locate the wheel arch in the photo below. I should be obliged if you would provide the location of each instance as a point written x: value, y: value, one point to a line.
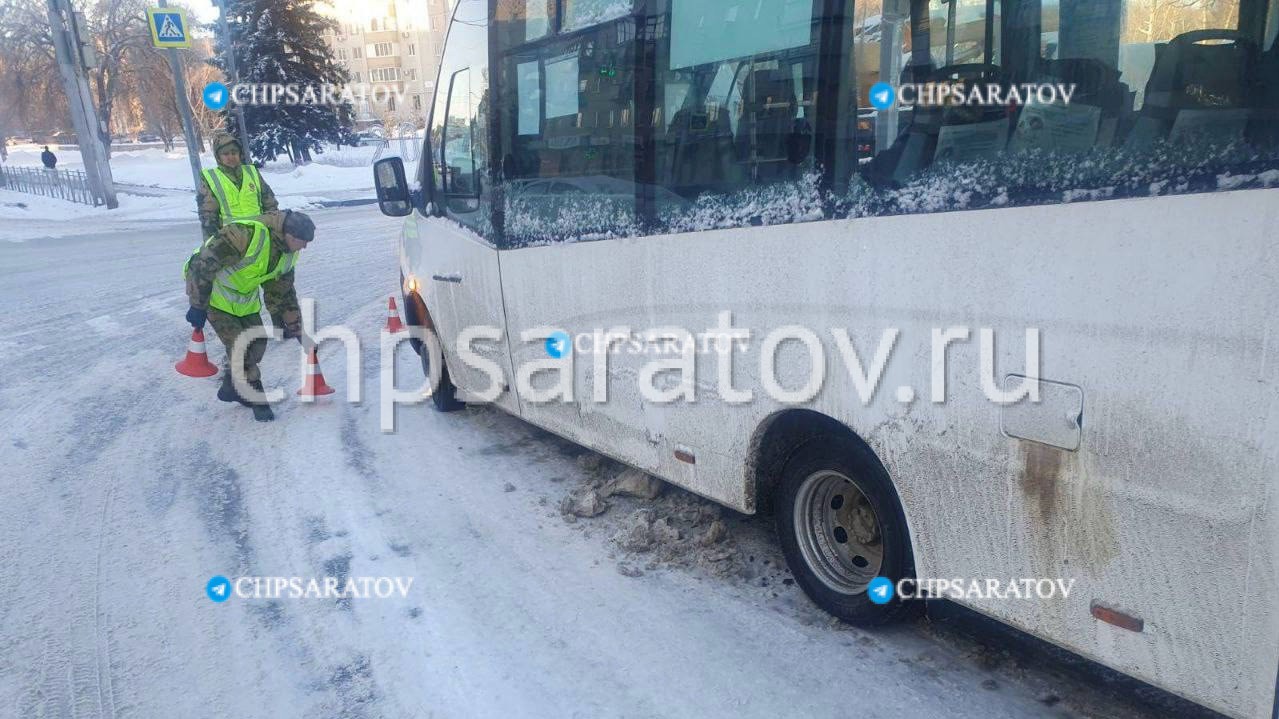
x: 777, y: 438
x: 416, y: 314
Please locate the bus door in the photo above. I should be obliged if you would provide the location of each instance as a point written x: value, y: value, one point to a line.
x: 462, y: 281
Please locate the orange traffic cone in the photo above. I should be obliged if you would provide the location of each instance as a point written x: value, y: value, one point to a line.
x: 314, y: 385
x: 393, y: 323
x: 196, y: 363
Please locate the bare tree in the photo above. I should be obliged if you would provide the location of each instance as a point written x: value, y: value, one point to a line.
x: 129, y: 76
x: 200, y: 73
x: 119, y: 32
x: 154, y: 81
x: 32, y: 88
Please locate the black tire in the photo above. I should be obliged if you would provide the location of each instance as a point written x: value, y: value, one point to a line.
x: 445, y: 395
x: 830, y: 467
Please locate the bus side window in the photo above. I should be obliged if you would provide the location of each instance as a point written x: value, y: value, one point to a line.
x: 458, y: 137
x: 568, y: 123
x: 736, y: 102
x: 460, y: 181
x: 1141, y: 83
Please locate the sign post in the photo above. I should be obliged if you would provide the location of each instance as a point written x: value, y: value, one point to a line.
x: 169, y: 31
x: 69, y: 51
x: 233, y: 75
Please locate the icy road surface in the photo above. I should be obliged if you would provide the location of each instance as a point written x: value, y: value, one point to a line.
x: 126, y: 487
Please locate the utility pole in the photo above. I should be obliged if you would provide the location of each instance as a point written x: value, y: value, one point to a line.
x: 184, y: 110
x: 68, y: 48
x: 233, y: 73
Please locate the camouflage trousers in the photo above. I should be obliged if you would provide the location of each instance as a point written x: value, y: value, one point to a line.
x: 228, y: 328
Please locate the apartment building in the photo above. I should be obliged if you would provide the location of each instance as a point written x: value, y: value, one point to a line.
x: 392, y: 49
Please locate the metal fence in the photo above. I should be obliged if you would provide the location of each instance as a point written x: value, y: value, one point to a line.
x: 410, y: 144
x: 63, y: 184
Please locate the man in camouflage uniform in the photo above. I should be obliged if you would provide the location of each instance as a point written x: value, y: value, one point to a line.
x: 223, y: 278
x: 231, y: 190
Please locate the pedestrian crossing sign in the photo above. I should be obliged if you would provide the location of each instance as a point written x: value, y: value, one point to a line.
x: 168, y: 27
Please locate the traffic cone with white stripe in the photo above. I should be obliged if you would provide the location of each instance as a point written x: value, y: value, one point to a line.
x: 196, y: 363
x: 393, y: 323
x: 314, y: 385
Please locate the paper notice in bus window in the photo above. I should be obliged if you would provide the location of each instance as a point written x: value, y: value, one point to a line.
x: 961, y: 143
x: 529, y: 89
x: 1072, y: 128
x: 561, y: 86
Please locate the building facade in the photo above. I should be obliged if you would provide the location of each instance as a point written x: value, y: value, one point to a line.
x: 392, y: 50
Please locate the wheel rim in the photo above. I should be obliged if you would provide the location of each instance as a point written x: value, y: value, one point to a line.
x: 839, y: 534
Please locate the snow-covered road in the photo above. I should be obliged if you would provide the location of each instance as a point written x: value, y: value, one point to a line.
x: 126, y: 487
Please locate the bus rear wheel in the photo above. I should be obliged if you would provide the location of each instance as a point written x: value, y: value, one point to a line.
x: 840, y: 526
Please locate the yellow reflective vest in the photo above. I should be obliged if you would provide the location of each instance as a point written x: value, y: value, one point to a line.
x: 236, y: 203
x: 235, y: 288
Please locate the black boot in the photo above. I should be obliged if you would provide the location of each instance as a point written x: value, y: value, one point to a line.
x: 261, y: 410
x: 227, y: 392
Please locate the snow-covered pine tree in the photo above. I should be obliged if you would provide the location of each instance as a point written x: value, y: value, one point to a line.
x: 283, y: 43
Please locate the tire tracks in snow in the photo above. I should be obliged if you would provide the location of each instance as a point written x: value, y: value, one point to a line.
x: 75, y: 676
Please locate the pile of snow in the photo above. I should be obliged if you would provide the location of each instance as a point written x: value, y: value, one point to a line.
x: 655, y: 526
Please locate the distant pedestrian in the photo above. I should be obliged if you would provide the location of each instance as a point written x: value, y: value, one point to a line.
x: 49, y: 159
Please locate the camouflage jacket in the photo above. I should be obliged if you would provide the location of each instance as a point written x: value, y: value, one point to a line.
x: 211, y: 213
x: 227, y: 247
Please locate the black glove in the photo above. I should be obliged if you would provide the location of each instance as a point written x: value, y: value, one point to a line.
x: 197, y: 317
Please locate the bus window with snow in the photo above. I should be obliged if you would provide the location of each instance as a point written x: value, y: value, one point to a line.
x: 1095, y: 101
x: 972, y: 289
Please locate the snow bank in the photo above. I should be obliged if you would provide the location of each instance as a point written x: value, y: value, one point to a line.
x: 337, y: 170
x: 654, y: 526
x: 25, y: 217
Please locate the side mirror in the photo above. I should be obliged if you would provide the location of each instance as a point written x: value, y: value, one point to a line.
x: 393, y: 196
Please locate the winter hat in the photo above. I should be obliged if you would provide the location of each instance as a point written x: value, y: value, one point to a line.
x: 222, y: 138
x: 299, y: 225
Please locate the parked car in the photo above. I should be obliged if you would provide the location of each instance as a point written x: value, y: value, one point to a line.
x: 369, y: 137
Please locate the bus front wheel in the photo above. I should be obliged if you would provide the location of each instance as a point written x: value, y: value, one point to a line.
x: 443, y: 392
x: 840, y: 527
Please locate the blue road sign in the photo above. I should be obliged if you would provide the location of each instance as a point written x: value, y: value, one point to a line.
x: 168, y: 27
